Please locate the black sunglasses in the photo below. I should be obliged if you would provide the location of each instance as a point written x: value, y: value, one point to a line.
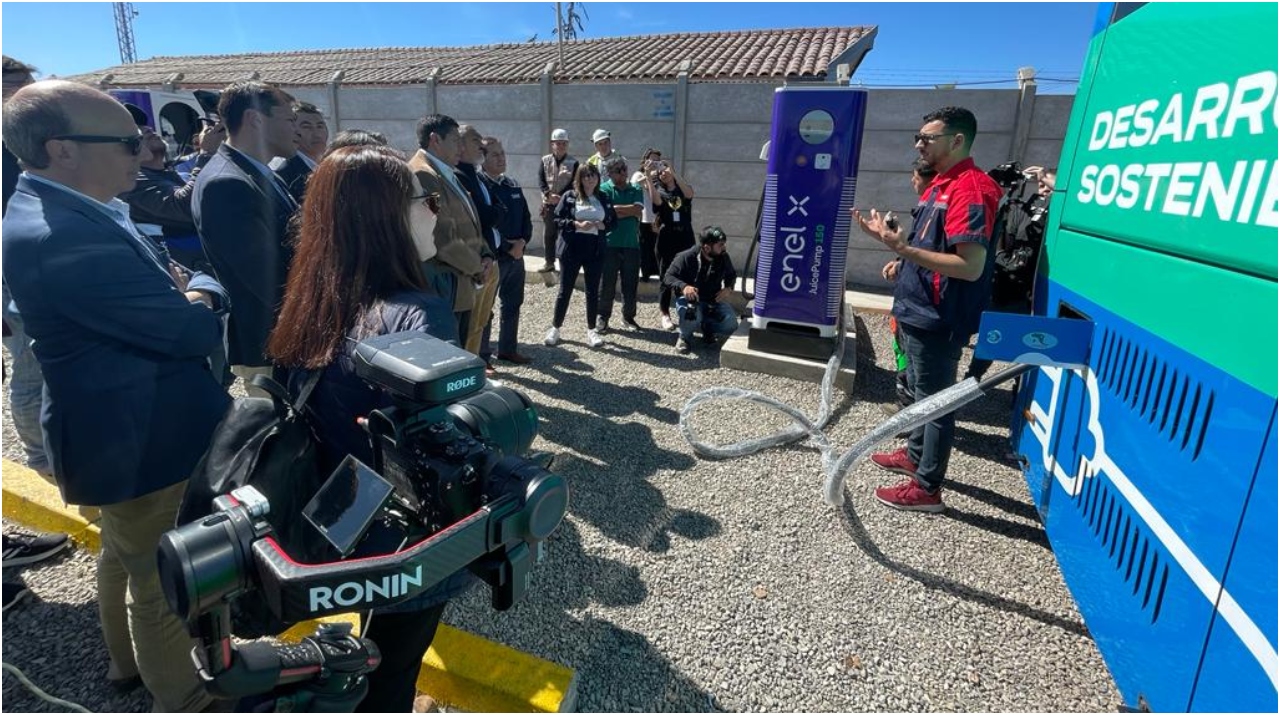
x: 432, y: 200
x: 133, y: 143
x: 929, y: 138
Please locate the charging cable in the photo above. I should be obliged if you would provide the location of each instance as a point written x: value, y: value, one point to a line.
x: 802, y: 428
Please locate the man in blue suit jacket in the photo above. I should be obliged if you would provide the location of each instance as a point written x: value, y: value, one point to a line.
x: 122, y: 338
x: 242, y: 211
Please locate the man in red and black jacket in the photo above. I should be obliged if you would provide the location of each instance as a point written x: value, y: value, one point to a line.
x: 943, y: 286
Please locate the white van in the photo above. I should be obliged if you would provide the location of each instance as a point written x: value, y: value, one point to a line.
x: 176, y: 116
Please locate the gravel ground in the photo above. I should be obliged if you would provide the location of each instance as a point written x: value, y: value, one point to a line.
x: 682, y: 584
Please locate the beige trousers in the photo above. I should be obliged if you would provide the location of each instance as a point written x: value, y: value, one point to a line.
x: 143, y: 636
x: 482, y: 312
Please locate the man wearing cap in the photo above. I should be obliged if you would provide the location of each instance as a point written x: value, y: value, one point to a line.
x: 604, y: 149
x: 702, y: 278
x: 555, y: 175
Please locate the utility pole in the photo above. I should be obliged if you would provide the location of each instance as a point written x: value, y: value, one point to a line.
x: 560, y: 35
x: 124, y: 31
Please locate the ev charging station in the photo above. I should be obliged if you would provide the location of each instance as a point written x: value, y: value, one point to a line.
x: 804, y: 229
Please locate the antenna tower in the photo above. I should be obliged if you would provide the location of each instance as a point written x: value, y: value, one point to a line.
x: 124, y: 31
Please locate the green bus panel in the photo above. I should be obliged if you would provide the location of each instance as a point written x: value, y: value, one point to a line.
x: 1225, y: 318
x: 1176, y: 150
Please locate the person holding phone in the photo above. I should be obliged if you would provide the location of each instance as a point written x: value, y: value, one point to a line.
x: 674, y: 205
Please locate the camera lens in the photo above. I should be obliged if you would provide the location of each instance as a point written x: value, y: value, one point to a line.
x: 544, y: 496
x: 503, y: 417
x: 202, y: 562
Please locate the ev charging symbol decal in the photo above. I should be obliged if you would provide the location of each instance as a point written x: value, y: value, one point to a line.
x: 798, y: 205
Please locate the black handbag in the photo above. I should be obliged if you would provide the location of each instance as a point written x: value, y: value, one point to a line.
x: 266, y: 443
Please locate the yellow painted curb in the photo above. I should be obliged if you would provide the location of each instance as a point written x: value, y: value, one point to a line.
x: 463, y: 670
x: 34, y: 502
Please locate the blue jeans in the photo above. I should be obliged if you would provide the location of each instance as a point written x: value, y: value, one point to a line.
x: 932, y: 359
x: 26, y: 388
x: 719, y: 318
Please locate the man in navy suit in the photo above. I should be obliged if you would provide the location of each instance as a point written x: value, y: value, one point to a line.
x: 242, y: 210
x: 122, y: 338
x: 313, y: 142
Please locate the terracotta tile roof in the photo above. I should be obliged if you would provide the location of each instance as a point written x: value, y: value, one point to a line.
x: 738, y: 55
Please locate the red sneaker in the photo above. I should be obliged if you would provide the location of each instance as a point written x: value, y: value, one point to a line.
x: 910, y: 496
x: 895, y: 461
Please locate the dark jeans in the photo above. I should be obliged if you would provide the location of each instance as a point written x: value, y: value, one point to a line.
x: 668, y: 247
x: 932, y: 361
x: 588, y: 257
x: 402, y: 638
x: 648, y: 252
x: 550, y: 232
x: 627, y: 262
x: 464, y: 324
x: 510, y: 297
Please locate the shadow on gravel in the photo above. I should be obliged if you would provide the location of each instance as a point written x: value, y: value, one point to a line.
x: 1015, y: 530
x: 853, y: 525
x: 556, y: 621
x: 59, y: 648
x: 997, y: 500
x: 608, y: 462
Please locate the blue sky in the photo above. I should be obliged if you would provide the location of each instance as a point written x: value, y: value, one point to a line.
x: 918, y: 43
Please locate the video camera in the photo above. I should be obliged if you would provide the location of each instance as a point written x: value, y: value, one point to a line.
x: 446, y: 476
x: 1023, y: 220
x: 1009, y: 175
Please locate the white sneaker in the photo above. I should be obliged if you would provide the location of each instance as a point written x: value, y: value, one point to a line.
x: 594, y: 339
x: 667, y: 324
x: 553, y: 337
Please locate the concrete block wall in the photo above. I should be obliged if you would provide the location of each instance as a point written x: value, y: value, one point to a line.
x: 714, y: 140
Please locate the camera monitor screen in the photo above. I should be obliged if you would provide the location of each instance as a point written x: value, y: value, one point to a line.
x: 347, y: 504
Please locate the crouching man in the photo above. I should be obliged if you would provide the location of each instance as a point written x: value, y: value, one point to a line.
x: 702, y: 278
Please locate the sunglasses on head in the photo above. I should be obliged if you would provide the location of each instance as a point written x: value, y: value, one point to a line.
x: 133, y: 142
x: 432, y: 200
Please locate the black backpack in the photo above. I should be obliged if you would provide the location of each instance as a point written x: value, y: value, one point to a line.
x: 267, y: 444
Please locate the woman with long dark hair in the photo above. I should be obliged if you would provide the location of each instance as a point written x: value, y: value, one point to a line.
x: 673, y: 202
x: 356, y: 274
x: 584, y: 216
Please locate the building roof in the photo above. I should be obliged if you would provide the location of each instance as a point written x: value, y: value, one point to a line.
x: 807, y: 53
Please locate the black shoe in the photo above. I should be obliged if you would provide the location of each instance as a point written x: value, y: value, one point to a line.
x: 602, y: 326
x: 709, y: 338
x: 682, y: 346
x: 632, y: 323
x: 14, y: 593
x: 125, y: 685
x: 547, y: 268
x: 20, y: 550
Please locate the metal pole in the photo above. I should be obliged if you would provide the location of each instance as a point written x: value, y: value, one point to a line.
x: 560, y: 35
